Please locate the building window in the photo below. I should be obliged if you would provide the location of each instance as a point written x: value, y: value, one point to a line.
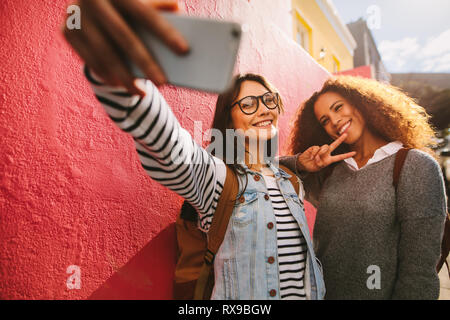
x: 302, y: 33
x: 302, y: 37
x: 336, y: 65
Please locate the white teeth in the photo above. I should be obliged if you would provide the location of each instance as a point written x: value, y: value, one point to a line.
x: 344, y: 128
x: 263, y: 124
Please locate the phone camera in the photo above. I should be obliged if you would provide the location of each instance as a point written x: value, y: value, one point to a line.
x: 236, y: 32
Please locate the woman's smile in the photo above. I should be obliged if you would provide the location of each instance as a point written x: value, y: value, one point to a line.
x: 344, y: 128
x: 263, y: 124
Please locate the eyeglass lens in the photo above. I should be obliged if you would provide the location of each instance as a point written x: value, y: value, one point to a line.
x: 249, y: 105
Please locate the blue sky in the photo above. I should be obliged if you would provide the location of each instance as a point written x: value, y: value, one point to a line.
x: 411, y: 35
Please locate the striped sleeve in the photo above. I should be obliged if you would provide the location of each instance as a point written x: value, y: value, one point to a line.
x: 167, y: 152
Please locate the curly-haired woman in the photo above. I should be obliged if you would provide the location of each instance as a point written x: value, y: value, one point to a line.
x: 374, y: 242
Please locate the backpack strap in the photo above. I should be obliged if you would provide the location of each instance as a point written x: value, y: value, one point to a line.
x: 217, y: 231
x: 398, y: 165
x: 293, y: 179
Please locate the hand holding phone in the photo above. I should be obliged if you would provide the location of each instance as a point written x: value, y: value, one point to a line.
x: 105, y: 38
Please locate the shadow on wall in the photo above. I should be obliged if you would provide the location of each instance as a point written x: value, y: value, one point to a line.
x: 148, y: 275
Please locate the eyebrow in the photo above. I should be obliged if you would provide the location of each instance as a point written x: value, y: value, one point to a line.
x: 234, y: 103
x: 331, y: 107
x: 256, y: 96
x: 334, y: 104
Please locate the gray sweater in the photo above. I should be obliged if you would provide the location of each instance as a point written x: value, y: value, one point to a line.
x: 372, y: 243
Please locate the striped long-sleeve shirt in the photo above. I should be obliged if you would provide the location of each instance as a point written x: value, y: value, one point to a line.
x: 170, y: 156
x: 291, y: 246
x: 167, y: 152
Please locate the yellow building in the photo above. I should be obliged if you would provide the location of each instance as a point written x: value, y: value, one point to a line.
x: 322, y: 33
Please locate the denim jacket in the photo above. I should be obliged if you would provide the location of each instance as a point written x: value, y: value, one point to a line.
x: 241, y: 267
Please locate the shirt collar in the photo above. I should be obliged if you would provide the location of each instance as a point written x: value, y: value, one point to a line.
x: 380, y: 154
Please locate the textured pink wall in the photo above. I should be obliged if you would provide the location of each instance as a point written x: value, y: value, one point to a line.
x: 72, y: 191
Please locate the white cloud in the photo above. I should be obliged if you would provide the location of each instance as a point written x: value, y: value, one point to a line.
x: 394, y: 49
x: 397, y: 53
x: 407, y: 53
x: 436, y: 53
x: 437, y: 45
x: 437, y: 64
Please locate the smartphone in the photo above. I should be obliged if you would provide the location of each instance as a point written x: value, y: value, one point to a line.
x: 209, y: 65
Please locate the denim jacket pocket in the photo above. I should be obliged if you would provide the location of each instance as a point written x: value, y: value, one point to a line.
x: 245, y: 208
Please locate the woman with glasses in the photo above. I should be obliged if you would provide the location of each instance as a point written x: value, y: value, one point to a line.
x: 267, y: 251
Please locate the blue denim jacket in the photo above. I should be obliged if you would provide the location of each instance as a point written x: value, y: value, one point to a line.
x: 241, y: 266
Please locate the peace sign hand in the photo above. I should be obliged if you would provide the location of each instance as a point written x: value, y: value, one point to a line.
x: 316, y: 158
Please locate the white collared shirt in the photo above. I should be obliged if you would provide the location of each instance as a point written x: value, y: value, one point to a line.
x: 381, y: 153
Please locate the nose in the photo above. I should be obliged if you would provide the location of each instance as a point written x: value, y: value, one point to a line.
x: 262, y: 108
x: 335, y: 120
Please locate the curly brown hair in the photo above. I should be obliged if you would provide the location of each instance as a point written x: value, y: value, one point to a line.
x: 387, y: 111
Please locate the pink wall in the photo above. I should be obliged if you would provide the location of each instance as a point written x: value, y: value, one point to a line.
x: 72, y: 191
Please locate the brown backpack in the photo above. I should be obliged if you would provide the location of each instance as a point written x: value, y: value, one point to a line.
x: 194, y: 274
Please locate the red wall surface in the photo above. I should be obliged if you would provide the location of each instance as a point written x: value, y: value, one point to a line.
x: 362, y: 71
x: 72, y: 191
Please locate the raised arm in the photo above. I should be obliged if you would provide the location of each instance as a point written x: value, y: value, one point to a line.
x: 167, y: 151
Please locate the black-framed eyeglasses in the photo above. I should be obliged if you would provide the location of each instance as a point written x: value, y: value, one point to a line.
x: 250, y: 104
